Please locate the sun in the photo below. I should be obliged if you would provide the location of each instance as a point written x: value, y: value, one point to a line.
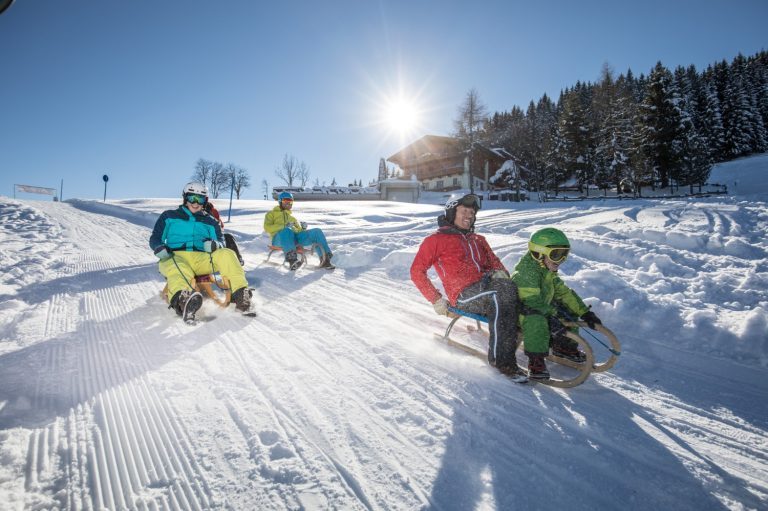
x: 397, y: 112
x: 401, y: 115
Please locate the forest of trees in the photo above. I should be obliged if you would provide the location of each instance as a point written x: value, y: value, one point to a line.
x: 666, y: 129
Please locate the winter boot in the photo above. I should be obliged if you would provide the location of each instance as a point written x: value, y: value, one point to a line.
x: 186, y: 303
x: 242, y: 299
x: 537, y: 367
x: 293, y: 261
x: 325, y: 261
x: 566, y: 348
x: 513, y: 372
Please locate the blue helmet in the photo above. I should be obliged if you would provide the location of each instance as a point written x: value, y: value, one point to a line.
x: 284, y: 196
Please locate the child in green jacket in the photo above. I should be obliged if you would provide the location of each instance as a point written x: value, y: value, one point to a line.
x: 542, y: 292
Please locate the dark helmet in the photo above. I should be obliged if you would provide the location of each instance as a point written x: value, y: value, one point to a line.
x: 470, y: 201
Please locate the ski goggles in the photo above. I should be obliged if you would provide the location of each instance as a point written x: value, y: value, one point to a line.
x: 286, y: 201
x: 470, y: 201
x: 194, y: 198
x: 555, y: 254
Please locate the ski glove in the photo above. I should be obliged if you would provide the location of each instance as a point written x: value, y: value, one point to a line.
x: 210, y: 246
x: 441, y: 306
x: 591, y: 319
x: 500, y: 274
x: 303, y: 226
x: 556, y: 327
x: 163, y: 252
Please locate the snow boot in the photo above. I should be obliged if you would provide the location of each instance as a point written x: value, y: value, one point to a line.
x: 537, y: 367
x: 513, y: 372
x: 566, y: 348
x: 242, y: 299
x: 293, y: 261
x: 186, y: 303
x: 325, y: 261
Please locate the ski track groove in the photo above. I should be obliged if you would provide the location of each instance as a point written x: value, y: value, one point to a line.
x: 110, y: 453
x: 174, y: 454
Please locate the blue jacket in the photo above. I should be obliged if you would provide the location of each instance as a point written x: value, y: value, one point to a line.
x: 179, y: 229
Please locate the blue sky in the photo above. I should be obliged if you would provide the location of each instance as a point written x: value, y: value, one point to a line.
x: 140, y: 90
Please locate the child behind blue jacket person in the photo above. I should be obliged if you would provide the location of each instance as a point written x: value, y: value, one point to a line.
x: 189, y: 242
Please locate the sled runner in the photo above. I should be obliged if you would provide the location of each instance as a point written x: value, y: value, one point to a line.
x: 301, y: 252
x: 583, y: 369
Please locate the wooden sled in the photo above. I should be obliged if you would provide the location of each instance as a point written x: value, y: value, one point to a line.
x: 204, y: 284
x: 584, y: 369
x: 301, y: 252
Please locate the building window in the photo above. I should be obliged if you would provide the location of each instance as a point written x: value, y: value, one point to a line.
x: 455, y: 181
x: 439, y: 183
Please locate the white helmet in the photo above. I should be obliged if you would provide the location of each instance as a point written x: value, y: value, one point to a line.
x: 195, y: 187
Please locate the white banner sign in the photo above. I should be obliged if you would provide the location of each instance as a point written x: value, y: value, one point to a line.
x: 36, y: 189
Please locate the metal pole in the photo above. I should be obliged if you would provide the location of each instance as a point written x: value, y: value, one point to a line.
x: 61, y: 191
x: 105, y: 191
x: 231, y: 192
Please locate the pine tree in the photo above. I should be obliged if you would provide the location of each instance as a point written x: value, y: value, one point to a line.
x: 573, y: 140
x: 660, y: 120
x: 382, y: 170
x: 614, y: 105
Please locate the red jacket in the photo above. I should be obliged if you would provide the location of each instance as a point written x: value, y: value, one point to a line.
x: 460, y: 259
x: 215, y: 213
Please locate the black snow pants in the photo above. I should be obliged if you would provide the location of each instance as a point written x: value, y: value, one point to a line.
x: 497, y: 300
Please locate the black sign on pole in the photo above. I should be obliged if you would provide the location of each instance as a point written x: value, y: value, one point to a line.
x: 105, y: 178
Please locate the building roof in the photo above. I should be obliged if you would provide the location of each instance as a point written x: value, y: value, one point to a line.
x: 426, y: 146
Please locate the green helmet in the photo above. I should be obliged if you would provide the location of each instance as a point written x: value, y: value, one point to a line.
x: 544, y: 240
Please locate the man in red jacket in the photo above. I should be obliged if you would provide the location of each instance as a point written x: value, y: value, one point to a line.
x: 473, y: 278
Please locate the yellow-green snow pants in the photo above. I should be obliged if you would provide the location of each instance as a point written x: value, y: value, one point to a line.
x: 181, y: 269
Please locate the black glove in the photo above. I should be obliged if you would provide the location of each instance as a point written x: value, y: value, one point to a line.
x: 163, y: 252
x: 556, y: 328
x: 210, y: 246
x: 591, y: 319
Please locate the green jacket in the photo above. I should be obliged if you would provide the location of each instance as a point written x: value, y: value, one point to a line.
x: 538, y: 288
x: 277, y: 220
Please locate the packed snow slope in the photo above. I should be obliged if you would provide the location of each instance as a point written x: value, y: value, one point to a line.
x: 337, y: 396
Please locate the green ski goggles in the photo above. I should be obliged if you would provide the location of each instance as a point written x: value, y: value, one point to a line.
x: 194, y: 198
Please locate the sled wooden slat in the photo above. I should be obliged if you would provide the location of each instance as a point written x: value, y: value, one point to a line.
x: 204, y: 285
x: 301, y: 252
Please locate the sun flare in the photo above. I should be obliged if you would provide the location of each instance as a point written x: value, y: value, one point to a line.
x: 401, y: 115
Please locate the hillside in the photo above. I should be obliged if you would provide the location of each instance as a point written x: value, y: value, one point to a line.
x: 337, y: 396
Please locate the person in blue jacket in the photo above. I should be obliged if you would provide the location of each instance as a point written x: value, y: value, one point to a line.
x: 189, y: 242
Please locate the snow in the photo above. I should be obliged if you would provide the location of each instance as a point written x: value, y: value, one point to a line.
x: 337, y: 395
